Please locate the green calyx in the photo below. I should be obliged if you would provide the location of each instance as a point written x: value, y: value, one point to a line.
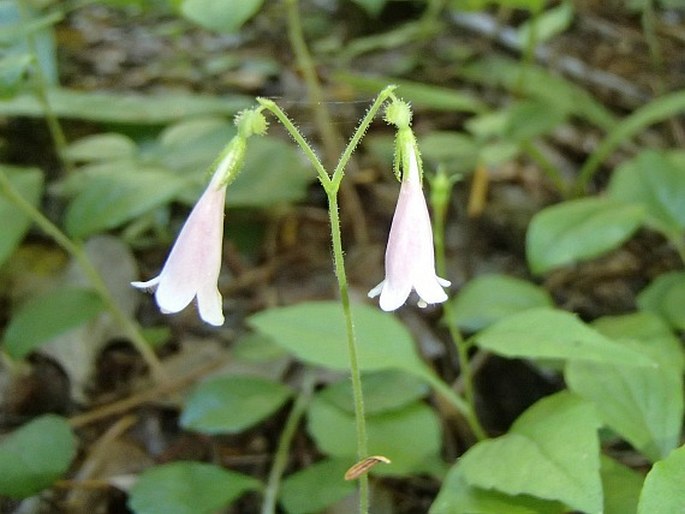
x: 398, y: 113
x: 251, y: 121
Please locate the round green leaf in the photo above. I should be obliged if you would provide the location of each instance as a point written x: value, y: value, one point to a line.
x: 35, y: 455
x: 621, y: 486
x: 579, y: 230
x: 665, y: 296
x: 544, y: 333
x: 220, y: 15
x: 316, y: 487
x: 642, y: 404
x: 663, y: 489
x: 227, y: 405
x: 187, y: 488
x: 383, y: 391
x: 47, y: 316
x: 28, y: 182
x: 489, y: 298
x: 407, y: 436
x: 656, y: 180
x: 458, y: 497
x: 315, y: 333
x: 102, y: 147
x: 110, y: 199
x: 551, y: 452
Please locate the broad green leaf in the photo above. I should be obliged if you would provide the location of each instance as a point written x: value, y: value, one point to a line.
x: 663, y: 489
x: 407, y: 436
x: 274, y: 173
x: 35, y: 455
x: 102, y: 147
x: 316, y: 487
x: 419, y: 94
x: 187, y: 488
x: 621, y: 487
x: 109, y: 200
x: 579, y: 230
x: 544, y: 333
x: 550, y: 23
x: 45, y: 317
x: 124, y: 107
x: 665, y: 296
x: 220, y: 15
x: 458, y: 497
x: 315, y: 333
x: 383, y: 391
x: 231, y: 404
x: 28, y: 182
x: 373, y: 7
x: 655, y: 180
x: 551, y: 452
x: 13, y: 69
x: 489, y: 298
x: 643, y: 405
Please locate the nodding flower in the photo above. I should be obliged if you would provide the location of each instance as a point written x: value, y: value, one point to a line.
x: 409, y: 255
x: 192, y: 267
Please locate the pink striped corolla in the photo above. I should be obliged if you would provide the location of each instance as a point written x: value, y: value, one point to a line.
x: 193, y: 265
x: 409, y: 255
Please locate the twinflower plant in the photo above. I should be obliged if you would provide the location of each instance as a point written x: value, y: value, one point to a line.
x: 193, y: 265
x: 409, y: 255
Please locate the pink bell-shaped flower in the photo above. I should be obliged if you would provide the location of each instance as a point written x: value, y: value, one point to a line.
x: 409, y: 256
x: 192, y: 268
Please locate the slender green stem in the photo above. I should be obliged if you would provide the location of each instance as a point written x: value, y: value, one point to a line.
x: 360, y: 419
x: 41, y: 92
x: 271, y: 106
x: 339, y: 171
x: 79, y: 254
x: 469, y: 409
x: 281, y: 457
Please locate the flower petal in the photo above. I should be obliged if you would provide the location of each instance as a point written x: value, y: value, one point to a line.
x: 210, y: 306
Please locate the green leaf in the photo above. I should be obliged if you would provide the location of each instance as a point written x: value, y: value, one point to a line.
x: 643, y: 405
x: 489, y: 298
x: 267, y: 181
x: 454, y: 150
x: 458, y: 497
x: 419, y: 94
x: 543, y: 333
x: 383, y: 391
x: 45, y: 317
x: 408, y: 436
x: 110, y: 199
x: 579, y: 230
x: 187, y: 488
x: 28, y: 182
x: 656, y: 181
x: 551, y: 452
x: 663, y: 489
x: 621, y: 487
x: 315, y: 333
x: 220, y: 15
x: 228, y: 405
x: 316, y: 487
x: 35, y: 455
x: 665, y: 296
x: 124, y: 107
x: 102, y: 147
